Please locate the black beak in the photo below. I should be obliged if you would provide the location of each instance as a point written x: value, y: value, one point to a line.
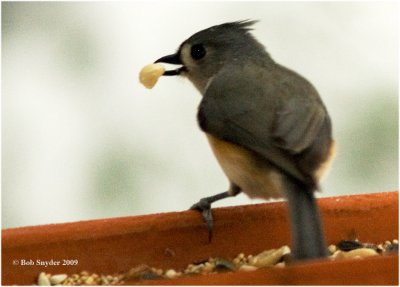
x: 171, y: 59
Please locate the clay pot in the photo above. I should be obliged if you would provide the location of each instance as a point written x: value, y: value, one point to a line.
x: 173, y: 240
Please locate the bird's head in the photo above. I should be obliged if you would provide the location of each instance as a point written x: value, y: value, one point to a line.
x: 205, y: 53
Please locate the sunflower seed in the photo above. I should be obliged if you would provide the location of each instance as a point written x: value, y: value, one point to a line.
x: 43, y: 280
x: 57, y: 279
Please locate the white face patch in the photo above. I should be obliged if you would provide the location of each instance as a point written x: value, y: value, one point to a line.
x: 194, y: 70
x: 186, y: 58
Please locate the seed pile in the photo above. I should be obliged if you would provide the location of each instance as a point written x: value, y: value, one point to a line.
x: 269, y: 258
x: 83, y: 278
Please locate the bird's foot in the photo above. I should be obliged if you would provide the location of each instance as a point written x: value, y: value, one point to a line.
x: 204, y: 206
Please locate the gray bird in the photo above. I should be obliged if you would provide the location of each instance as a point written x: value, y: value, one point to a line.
x: 266, y: 125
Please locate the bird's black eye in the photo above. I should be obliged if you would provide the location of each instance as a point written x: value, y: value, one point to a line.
x: 198, y: 51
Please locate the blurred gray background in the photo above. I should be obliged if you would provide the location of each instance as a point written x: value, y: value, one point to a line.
x: 82, y: 139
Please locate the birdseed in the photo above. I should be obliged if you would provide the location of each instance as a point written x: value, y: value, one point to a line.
x: 43, y: 279
x: 273, y: 258
x: 149, y: 75
x: 57, y: 279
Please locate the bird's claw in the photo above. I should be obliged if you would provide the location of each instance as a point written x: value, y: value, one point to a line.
x: 204, y: 206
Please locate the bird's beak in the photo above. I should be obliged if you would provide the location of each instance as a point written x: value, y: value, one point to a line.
x: 172, y: 59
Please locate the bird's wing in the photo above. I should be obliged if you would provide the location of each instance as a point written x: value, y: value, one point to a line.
x: 297, y: 123
x: 257, y: 113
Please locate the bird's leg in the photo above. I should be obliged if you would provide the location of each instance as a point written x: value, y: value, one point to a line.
x: 204, y: 206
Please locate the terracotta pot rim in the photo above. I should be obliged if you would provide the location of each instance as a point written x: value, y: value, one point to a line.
x: 115, y: 245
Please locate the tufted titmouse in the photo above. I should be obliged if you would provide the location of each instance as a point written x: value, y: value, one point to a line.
x: 266, y: 124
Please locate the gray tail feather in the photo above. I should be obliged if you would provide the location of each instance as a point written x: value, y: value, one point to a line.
x: 308, y: 239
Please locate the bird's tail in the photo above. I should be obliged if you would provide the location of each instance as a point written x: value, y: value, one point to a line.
x: 308, y: 239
